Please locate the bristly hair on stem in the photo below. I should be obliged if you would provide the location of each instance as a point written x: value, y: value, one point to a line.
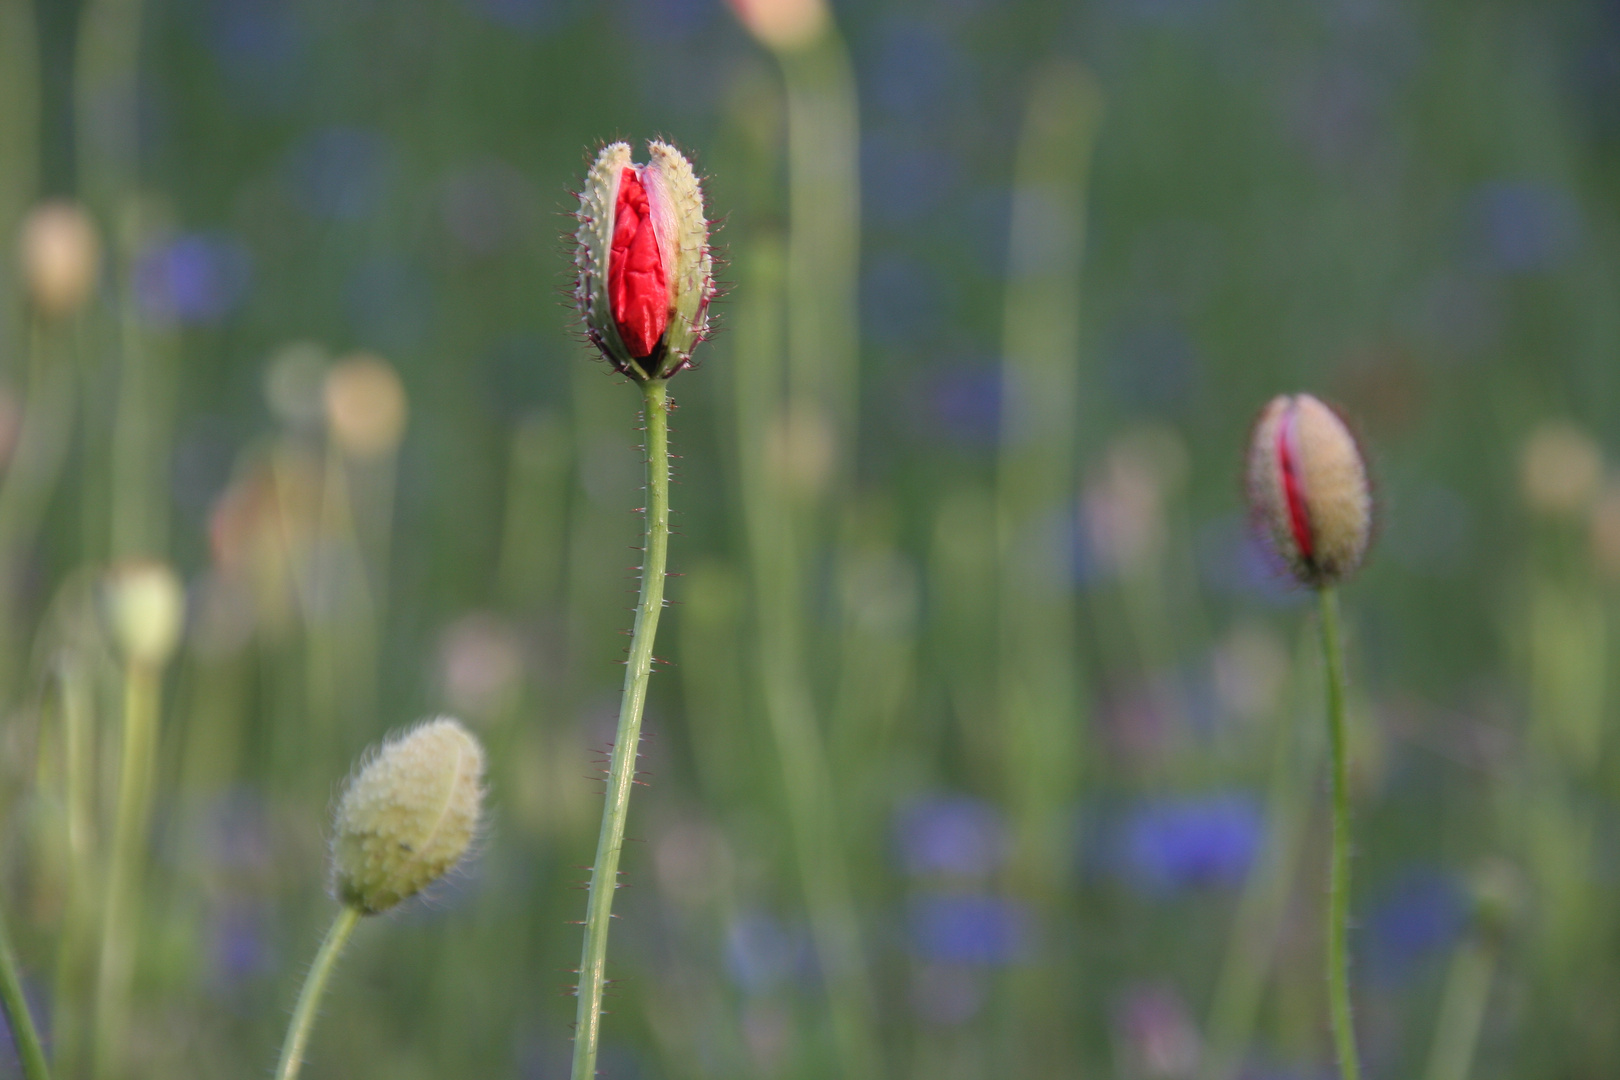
x: 644, y: 282
x: 1338, y: 929
x: 625, y: 747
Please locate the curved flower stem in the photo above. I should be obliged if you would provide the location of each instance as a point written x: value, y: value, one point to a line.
x: 1344, y: 1036
x: 622, y: 770
x: 309, y: 998
x: 18, y: 1017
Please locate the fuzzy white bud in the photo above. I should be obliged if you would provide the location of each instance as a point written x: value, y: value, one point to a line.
x: 408, y: 815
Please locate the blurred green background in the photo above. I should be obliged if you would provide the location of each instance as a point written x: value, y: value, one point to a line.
x: 989, y: 744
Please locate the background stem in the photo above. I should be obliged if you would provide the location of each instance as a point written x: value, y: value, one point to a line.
x: 1344, y: 1037
x: 21, y: 1022
x: 622, y: 771
x: 122, y: 913
x: 1257, y: 927
x: 309, y: 998
x: 1040, y: 703
x: 1462, y: 1011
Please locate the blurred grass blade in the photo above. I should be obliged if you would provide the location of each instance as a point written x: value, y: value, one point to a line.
x: 777, y: 552
x: 1257, y: 926
x: 1039, y: 699
x: 19, y: 142
x: 1462, y: 1010
x: 823, y: 239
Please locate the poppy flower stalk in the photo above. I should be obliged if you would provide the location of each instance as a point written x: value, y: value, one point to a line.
x: 1312, y: 503
x: 646, y: 277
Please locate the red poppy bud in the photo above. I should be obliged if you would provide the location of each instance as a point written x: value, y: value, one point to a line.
x: 1308, y: 489
x: 645, y: 272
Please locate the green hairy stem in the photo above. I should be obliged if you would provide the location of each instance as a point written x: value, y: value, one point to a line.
x: 1338, y: 937
x: 622, y: 770
x: 309, y: 998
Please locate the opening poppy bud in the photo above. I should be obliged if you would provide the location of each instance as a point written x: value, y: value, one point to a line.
x: 645, y: 274
x: 1308, y: 489
x: 408, y: 816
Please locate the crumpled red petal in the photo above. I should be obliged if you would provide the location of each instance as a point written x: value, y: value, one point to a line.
x: 638, y: 281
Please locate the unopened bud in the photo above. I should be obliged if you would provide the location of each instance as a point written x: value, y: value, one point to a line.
x: 61, y: 255
x: 783, y: 25
x: 145, y: 605
x: 1561, y: 469
x: 645, y: 273
x: 1308, y: 489
x: 408, y: 816
x: 365, y: 406
x: 295, y: 385
x: 1500, y: 897
x: 1605, y: 532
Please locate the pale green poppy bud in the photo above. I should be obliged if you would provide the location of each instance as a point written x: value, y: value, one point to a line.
x: 645, y: 272
x: 1308, y: 489
x: 408, y: 816
x: 145, y: 608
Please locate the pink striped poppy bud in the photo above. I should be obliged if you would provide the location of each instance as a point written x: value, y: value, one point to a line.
x: 1308, y: 489
x: 646, y: 275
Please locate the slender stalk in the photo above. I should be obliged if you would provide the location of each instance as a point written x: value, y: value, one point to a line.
x: 1338, y: 938
x: 1462, y: 1011
x: 74, y: 956
x: 342, y: 615
x: 823, y: 254
x: 23, y: 1034
x: 780, y: 547
x: 122, y: 912
x: 143, y: 409
x: 309, y: 998
x: 622, y: 770
x: 42, y: 442
x: 1040, y: 702
x: 106, y: 67
x: 19, y: 136
x: 1257, y: 927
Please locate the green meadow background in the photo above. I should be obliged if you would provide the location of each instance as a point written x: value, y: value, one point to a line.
x: 988, y: 742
